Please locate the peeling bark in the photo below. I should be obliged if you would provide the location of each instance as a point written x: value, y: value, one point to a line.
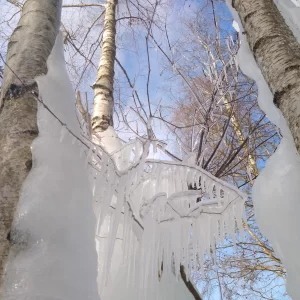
x: 277, y: 53
x: 103, y: 88
x: 28, y: 50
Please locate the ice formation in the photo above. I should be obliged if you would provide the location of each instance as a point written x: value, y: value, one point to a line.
x: 290, y: 10
x: 54, y: 255
x: 276, y: 191
x: 147, y: 216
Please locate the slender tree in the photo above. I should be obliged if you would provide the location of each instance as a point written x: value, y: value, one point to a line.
x: 28, y: 50
x: 103, y: 107
x: 277, y: 53
x: 104, y: 86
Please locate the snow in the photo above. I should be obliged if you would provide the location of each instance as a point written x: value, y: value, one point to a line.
x: 276, y: 191
x: 235, y: 25
x: 54, y: 256
x: 296, y: 2
x: 290, y: 10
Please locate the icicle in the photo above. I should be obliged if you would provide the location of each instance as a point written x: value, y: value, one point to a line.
x: 214, y: 234
x: 181, y: 179
x: 101, y: 184
x: 239, y: 212
x: 194, y: 242
x: 87, y: 160
x: 129, y: 236
x: 210, y: 188
x: 203, y: 183
x: 106, y: 203
x: 207, y: 232
x: 211, y: 232
x: 94, y: 189
x: 222, y: 229
x: 190, y: 176
x: 114, y: 228
x: 197, y: 180
x: 230, y: 225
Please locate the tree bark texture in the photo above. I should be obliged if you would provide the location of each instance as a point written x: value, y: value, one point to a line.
x: 277, y: 53
x: 238, y: 131
x: 103, y: 88
x: 28, y: 50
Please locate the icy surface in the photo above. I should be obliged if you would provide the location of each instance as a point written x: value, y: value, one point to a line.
x: 290, y: 10
x: 54, y: 256
x: 148, y: 215
x: 276, y: 191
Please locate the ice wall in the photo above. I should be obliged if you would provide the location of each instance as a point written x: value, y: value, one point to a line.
x: 276, y: 192
x: 54, y: 253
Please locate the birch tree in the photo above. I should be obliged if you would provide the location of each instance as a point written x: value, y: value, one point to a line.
x: 103, y: 88
x: 103, y: 107
x: 28, y: 50
x: 277, y: 53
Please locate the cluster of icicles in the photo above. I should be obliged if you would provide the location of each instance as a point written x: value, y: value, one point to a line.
x: 170, y: 213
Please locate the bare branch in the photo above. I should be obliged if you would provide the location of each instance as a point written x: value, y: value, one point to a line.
x: 80, y: 5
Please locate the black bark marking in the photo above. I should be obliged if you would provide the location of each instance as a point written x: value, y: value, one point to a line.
x: 292, y: 68
x: 8, y: 237
x: 16, y: 91
x: 249, y: 16
x: 188, y: 284
x: 279, y: 94
x: 28, y: 164
x: 262, y: 41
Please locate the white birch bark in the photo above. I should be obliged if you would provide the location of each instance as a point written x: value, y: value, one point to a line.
x: 28, y: 50
x: 238, y: 131
x: 103, y: 88
x: 277, y: 53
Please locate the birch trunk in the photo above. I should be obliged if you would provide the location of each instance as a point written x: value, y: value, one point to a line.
x: 103, y: 88
x: 28, y: 50
x: 238, y: 131
x: 277, y: 53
